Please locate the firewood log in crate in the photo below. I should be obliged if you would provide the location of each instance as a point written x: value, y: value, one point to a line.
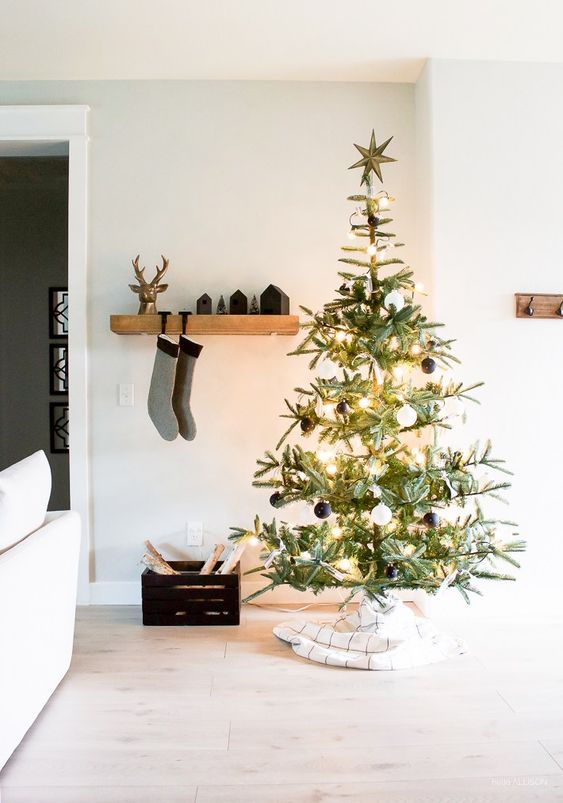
x: 191, y: 598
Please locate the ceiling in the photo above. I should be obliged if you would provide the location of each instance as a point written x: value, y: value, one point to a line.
x: 303, y: 40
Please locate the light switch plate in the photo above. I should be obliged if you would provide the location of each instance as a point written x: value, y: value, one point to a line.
x: 126, y: 395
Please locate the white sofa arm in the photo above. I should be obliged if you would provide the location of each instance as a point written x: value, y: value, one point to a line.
x: 38, y: 580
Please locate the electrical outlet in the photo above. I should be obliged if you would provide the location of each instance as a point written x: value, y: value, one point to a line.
x: 194, y: 533
x: 126, y: 395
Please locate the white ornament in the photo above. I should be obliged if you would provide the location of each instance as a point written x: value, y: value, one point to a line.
x: 406, y: 415
x: 327, y: 369
x: 395, y: 299
x: 381, y: 514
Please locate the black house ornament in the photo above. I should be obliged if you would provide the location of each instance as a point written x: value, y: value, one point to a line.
x: 274, y: 301
x: 238, y: 304
x: 204, y: 305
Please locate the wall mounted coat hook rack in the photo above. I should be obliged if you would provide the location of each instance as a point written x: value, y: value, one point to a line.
x: 539, y: 305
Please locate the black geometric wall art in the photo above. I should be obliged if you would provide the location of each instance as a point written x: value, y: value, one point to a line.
x: 58, y: 369
x: 59, y: 427
x: 58, y: 312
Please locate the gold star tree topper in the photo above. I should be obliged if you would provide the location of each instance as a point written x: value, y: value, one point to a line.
x: 372, y: 158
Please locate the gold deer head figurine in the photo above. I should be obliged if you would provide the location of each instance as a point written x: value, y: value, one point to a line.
x: 148, y: 291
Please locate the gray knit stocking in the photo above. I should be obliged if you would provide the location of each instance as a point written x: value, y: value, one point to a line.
x: 162, y: 384
x: 187, y: 358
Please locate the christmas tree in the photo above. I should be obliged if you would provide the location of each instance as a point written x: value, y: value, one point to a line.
x: 393, y: 509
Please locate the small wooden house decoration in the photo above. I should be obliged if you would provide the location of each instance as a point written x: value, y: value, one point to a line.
x: 238, y: 304
x: 204, y: 305
x: 274, y: 301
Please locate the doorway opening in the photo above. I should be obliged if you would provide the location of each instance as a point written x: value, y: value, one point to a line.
x: 60, y: 132
x: 34, y: 376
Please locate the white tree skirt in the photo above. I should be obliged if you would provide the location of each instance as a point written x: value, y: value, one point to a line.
x: 379, y: 636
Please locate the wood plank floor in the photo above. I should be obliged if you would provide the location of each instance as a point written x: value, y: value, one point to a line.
x: 231, y: 715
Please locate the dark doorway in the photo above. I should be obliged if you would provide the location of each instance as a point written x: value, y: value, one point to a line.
x: 33, y: 262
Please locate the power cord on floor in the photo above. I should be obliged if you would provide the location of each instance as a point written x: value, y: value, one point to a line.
x: 292, y: 610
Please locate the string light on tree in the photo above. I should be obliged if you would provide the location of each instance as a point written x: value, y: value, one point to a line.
x: 325, y: 454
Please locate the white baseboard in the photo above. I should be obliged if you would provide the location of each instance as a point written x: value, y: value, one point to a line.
x: 120, y: 593
x: 129, y: 593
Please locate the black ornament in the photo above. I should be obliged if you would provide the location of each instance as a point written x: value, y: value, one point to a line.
x: 204, y: 305
x: 391, y: 572
x: 431, y: 519
x: 322, y: 510
x: 307, y: 424
x: 274, y: 301
x: 373, y: 220
x: 428, y: 365
x: 238, y: 303
x: 343, y: 407
x: 275, y: 499
x: 344, y: 288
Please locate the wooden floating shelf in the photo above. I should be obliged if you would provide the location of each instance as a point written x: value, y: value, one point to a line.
x: 544, y: 305
x: 206, y: 324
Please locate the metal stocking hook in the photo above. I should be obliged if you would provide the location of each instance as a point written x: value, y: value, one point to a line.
x: 184, y: 315
x: 529, y: 310
x: 163, y: 317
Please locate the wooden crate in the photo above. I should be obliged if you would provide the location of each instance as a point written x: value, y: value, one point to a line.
x: 190, y: 598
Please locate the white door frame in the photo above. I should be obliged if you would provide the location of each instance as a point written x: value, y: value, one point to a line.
x: 69, y: 124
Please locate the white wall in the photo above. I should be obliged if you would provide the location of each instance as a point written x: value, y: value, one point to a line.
x: 490, y: 144
x: 240, y: 185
